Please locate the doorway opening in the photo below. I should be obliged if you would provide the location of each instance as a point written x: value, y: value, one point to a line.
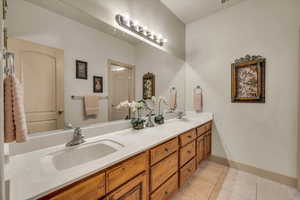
x: 121, y: 87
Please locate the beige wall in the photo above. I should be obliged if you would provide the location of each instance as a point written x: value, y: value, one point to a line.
x: 261, y: 135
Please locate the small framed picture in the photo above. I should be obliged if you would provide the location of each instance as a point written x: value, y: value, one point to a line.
x: 81, y: 70
x: 148, y: 86
x: 98, y: 84
x: 248, y: 80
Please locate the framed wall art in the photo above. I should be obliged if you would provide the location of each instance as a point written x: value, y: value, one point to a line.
x: 81, y: 70
x: 148, y: 86
x: 248, y: 80
x: 98, y: 84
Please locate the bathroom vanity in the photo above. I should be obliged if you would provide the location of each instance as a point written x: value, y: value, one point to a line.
x: 128, y: 164
x: 154, y: 174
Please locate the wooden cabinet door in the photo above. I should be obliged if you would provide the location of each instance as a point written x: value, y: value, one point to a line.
x: 207, y: 145
x: 200, y: 149
x: 135, y: 189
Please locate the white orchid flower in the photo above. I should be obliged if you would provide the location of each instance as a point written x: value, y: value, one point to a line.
x: 162, y: 99
x: 123, y: 104
x: 154, y: 100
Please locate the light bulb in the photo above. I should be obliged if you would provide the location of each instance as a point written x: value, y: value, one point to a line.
x: 135, y: 23
x: 127, y: 20
x: 153, y: 35
x: 126, y: 17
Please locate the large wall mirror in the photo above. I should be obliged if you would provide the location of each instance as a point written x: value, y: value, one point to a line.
x: 60, y: 61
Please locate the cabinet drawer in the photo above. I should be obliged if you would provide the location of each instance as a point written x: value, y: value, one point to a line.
x: 204, y: 128
x: 91, y: 189
x: 126, y: 170
x: 187, y: 171
x: 160, y: 152
x: 136, y: 189
x: 167, y: 189
x: 187, y: 137
x: 187, y: 153
x: 200, y: 149
x: 163, y: 170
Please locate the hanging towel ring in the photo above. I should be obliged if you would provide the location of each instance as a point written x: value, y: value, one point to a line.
x: 9, y: 63
x: 173, y: 89
x: 197, y: 90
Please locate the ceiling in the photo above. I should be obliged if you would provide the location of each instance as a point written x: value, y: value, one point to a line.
x: 192, y: 10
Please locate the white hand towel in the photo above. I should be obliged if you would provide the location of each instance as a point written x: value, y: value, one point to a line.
x: 198, y: 102
x: 173, y: 100
x: 91, y: 105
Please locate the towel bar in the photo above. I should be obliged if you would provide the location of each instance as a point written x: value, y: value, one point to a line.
x: 82, y: 97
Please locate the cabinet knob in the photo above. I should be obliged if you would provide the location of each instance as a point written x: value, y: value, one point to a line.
x: 60, y: 112
x: 166, y: 149
x: 189, y: 152
x: 166, y: 192
x: 189, y: 136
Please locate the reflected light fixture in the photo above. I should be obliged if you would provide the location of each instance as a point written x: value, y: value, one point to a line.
x: 143, y: 31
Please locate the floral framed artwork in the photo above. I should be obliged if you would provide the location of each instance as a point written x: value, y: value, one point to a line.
x: 148, y: 86
x: 81, y: 70
x: 248, y: 80
x: 98, y: 84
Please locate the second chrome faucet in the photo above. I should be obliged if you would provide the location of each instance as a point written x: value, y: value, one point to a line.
x: 78, y: 138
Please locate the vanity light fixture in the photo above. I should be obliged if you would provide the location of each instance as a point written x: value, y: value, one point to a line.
x: 140, y: 30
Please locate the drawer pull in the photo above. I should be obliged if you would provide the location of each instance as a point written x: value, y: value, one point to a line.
x: 189, y: 136
x: 166, y: 192
x: 166, y: 150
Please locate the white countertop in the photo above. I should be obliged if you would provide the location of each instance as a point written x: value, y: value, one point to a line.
x: 31, y: 175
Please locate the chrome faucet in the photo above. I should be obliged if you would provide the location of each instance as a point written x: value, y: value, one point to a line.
x: 149, y: 122
x: 178, y: 113
x: 77, y: 139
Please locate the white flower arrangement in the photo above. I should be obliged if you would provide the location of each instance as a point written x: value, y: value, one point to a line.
x: 158, y: 101
x: 137, y: 123
x: 134, y: 105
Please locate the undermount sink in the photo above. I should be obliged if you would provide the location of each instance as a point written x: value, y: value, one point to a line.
x: 84, y: 153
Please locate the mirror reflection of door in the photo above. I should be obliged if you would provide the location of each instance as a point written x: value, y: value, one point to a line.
x: 121, y: 88
x: 41, y: 69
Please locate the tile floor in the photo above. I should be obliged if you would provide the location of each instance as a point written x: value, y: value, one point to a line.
x: 213, y: 181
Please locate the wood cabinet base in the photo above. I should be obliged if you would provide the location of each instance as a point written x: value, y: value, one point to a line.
x: 152, y: 175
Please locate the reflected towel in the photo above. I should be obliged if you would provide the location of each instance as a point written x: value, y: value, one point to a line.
x: 91, y: 105
x: 9, y: 127
x: 19, y: 111
x: 15, y: 120
x: 198, y: 102
x: 173, y: 100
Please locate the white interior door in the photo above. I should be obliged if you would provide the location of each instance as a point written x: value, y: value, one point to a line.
x: 40, y: 69
x: 121, y: 89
